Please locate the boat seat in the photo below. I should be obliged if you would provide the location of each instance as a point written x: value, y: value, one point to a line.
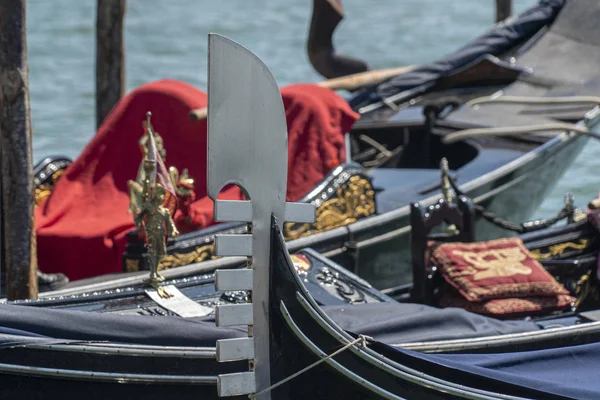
x: 423, y: 222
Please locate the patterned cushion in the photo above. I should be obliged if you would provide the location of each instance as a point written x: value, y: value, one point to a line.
x: 496, y: 269
x: 508, y: 308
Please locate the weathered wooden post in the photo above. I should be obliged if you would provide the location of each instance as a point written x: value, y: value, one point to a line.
x: 19, y: 257
x: 503, y: 9
x: 110, y: 58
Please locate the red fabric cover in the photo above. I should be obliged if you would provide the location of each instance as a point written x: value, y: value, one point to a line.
x: 510, y: 307
x: 317, y: 119
x: 501, y: 268
x: 81, y: 227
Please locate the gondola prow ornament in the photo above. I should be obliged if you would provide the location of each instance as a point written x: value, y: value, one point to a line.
x: 153, y: 203
x: 247, y: 146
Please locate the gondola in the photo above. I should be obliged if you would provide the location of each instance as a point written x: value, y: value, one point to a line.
x: 73, y: 343
x: 395, y: 149
x: 121, y: 343
x: 377, y: 370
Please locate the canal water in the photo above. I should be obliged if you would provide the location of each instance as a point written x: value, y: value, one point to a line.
x: 168, y: 39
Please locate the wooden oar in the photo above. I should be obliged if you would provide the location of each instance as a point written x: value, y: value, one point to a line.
x: 349, y: 82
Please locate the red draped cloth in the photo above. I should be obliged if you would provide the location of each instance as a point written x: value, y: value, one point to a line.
x: 81, y: 227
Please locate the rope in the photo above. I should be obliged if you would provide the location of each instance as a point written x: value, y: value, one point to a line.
x: 526, y: 227
x: 534, y: 100
x: 362, y: 339
x: 516, y: 131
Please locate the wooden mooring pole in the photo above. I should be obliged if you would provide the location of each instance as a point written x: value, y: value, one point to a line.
x: 503, y: 9
x: 18, y: 252
x: 110, y: 58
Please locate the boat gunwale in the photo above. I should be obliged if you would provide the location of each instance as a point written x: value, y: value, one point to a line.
x: 127, y: 349
x: 487, y: 342
x: 116, y: 377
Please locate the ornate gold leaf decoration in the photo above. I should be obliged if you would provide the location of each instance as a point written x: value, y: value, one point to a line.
x: 494, y: 263
x: 44, y: 190
x: 558, y: 249
x: 353, y: 201
x: 132, y: 265
x: 197, y: 255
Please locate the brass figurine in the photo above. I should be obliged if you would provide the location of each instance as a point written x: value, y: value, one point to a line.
x: 184, y: 183
x: 147, y: 203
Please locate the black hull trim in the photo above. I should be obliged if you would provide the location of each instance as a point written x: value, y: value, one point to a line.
x: 103, y: 371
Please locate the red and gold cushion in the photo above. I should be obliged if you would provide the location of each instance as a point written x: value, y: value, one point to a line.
x: 508, y: 308
x: 496, y: 269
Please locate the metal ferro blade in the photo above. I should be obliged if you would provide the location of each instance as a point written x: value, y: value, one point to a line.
x: 247, y: 146
x: 246, y: 125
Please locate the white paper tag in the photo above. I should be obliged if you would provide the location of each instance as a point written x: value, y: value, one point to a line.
x: 179, y: 303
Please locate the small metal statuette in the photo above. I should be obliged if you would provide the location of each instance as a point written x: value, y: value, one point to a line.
x: 153, y: 203
x: 445, y: 183
x: 447, y: 191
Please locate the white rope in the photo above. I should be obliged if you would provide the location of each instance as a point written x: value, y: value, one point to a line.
x: 375, y: 144
x: 516, y: 131
x: 362, y: 339
x: 534, y: 100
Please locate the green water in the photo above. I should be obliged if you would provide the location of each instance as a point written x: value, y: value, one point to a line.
x: 168, y: 39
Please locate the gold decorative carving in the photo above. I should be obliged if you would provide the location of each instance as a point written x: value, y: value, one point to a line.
x: 353, y: 201
x: 44, y: 190
x: 197, y: 255
x: 41, y: 192
x: 494, y: 263
x: 558, y: 249
x: 301, y: 262
x: 184, y: 183
x: 583, y: 288
x: 132, y: 265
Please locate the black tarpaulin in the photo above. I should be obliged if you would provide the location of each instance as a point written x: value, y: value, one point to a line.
x: 496, y: 41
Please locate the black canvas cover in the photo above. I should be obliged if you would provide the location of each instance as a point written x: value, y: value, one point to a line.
x: 398, y: 323
x: 563, y: 62
x: 391, y: 323
x: 32, y: 322
x: 498, y: 40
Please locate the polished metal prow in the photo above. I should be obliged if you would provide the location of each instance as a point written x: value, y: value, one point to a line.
x: 247, y: 146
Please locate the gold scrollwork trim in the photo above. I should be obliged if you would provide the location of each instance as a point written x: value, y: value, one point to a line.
x: 45, y: 190
x: 353, y: 201
x: 132, y: 265
x: 558, y: 249
x: 178, y: 260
